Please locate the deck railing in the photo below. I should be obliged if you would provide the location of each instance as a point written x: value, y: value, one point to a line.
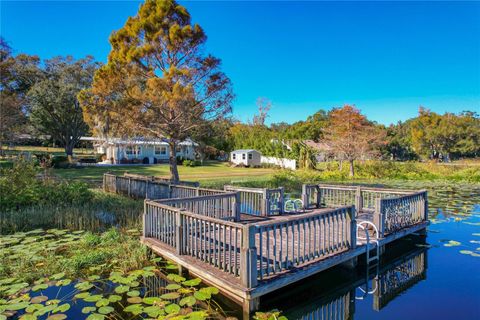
x: 295, y: 240
x: 392, y: 209
x: 259, y: 201
x: 393, y: 214
x: 221, y: 206
x: 321, y: 195
x: 177, y: 191
x: 253, y: 252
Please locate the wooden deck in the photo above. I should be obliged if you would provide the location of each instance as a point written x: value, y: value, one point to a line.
x: 249, y: 255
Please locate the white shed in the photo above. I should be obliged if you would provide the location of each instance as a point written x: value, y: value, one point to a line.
x: 247, y: 157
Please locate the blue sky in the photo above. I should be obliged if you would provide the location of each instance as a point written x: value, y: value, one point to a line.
x: 387, y: 58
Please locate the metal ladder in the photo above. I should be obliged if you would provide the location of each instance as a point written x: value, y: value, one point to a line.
x: 369, y: 242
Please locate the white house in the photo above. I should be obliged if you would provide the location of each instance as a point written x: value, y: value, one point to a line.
x: 141, y: 150
x: 247, y: 157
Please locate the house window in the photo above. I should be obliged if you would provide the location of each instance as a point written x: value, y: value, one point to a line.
x: 179, y: 149
x: 233, y: 156
x: 133, y: 150
x: 250, y: 156
x: 243, y: 156
x: 160, y: 150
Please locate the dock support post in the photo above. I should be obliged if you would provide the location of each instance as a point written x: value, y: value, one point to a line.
x: 248, y: 258
x: 249, y: 306
x: 351, y: 264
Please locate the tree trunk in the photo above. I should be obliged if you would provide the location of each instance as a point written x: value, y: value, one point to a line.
x: 173, y: 161
x: 69, y: 151
x: 352, y: 169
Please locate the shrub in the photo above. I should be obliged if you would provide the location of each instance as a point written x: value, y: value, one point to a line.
x: 20, y: 187
x: 60, y: 161
x: 191, y: 163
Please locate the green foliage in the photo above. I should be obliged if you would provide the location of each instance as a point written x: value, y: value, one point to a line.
x: 438, y: 136
x: 20, y: 187
x: 55, y: 109
x: 191, y: 163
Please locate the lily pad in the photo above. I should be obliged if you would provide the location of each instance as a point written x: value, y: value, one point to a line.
x: 39, y: 287
x: 86, y: 310
x: 58, y: 316
x: 39, y: 299
x: 114, y: 298
x: 170, y: 296
x: 96, y: 316
x: 122, y: 289
x: 173, y: 286
x: 135, y: 309
x: 188, y: 301
x: 452, y: 243
x: 172, y: 308
x: 105, y: 310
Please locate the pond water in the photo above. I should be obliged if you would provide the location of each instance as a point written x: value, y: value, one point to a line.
x: 433, y: 278
x: 436, y: 280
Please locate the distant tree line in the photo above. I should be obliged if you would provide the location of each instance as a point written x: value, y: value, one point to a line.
x: 40, y: 98
x: 351, y: 136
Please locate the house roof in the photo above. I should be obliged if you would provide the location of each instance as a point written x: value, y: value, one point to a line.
x: 138, y: 141
x: 245, y: 150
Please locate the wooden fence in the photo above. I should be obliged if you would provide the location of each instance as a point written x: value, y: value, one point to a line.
x: 142, y: 187
x: 259, y: 201
x: 392, y: 209
x: 253, y: 252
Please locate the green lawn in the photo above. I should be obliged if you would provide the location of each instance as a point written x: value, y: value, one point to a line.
x: 210, y: 172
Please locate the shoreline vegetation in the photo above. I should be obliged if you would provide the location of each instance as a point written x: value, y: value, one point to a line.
x: 213, y: 173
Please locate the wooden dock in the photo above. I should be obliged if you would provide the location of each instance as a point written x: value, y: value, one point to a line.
x: 242, y: 241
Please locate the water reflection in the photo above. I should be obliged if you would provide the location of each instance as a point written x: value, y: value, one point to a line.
x: 322, y: 298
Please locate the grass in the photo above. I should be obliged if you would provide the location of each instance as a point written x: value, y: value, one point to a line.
x: 210, y: 172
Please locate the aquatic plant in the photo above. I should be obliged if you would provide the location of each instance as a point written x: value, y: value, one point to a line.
x: 57, y: 273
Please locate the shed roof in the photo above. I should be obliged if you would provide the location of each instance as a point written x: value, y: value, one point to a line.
x: 245, y: 150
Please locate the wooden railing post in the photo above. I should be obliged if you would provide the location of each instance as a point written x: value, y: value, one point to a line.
x: 305, y: 196
x: 236, y: 207
x: 248, y: 257
x: 144, y: 219
x: 104, y: 182
x: 352, y: 227
x: 264, y: 205
x: 358, y: 200
x: 379, y: 217
x: 116, y: 184
x: 318, y: 197
x: 129, y: 186
x: 425, y: 200
x: 179, y: 231
x: 281, y: 202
